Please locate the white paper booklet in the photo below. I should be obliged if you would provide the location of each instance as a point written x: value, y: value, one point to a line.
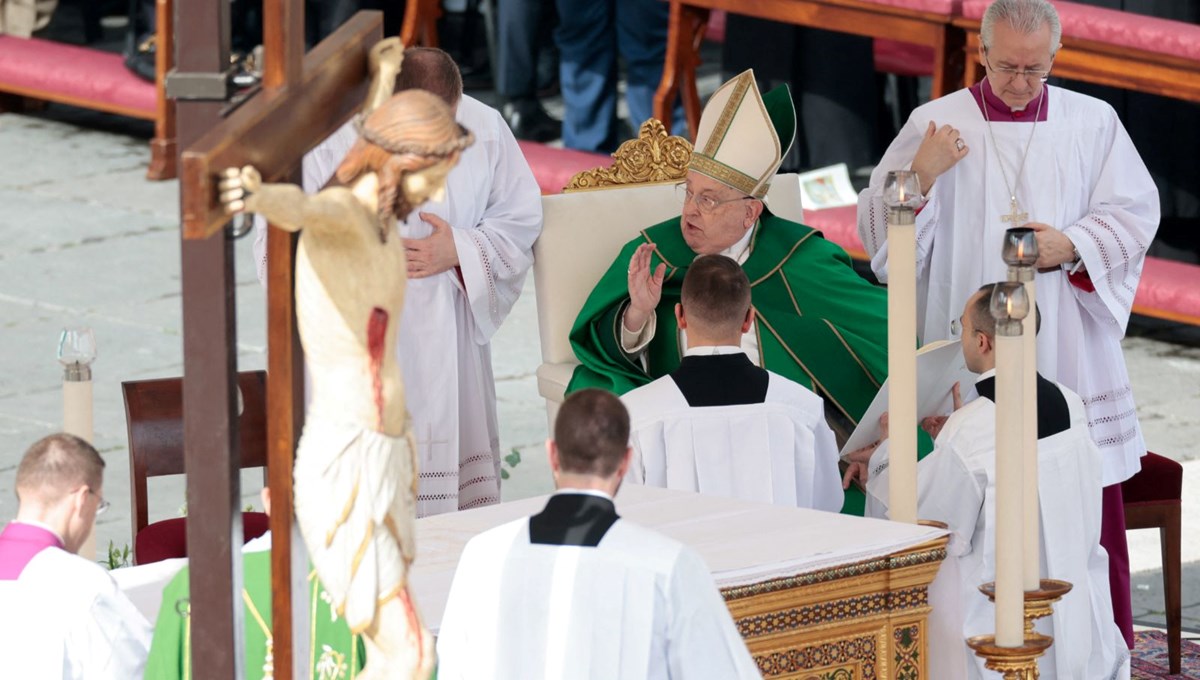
x: 827, y: 188
x: 939, y: 365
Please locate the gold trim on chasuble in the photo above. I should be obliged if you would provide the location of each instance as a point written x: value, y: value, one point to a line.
x: 824, y: 392
x: 852, y: 353
x: 268, y: 667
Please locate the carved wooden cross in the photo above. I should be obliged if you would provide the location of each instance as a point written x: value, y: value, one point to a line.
x: 304, y: 99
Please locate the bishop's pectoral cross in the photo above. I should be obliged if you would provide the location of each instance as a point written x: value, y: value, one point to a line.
x: 1015, y: 218
x: 305, y: 98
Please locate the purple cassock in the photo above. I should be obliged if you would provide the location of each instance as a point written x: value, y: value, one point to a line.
x: 20, y: 543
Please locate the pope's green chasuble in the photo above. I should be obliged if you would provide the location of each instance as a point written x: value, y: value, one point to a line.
x: 335, y: 653
x: 818, y: 322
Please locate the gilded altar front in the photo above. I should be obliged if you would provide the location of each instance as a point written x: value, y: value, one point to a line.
x: 861, y: 621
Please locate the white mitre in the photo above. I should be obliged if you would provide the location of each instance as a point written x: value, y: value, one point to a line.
x: 743, y: 135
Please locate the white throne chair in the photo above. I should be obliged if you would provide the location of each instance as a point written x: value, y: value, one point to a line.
x: 586, y: 226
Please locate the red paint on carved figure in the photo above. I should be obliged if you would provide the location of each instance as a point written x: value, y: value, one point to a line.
x: 376, y: 334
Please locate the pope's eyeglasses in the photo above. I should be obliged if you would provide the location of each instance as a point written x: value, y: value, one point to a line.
x: 704, y: 203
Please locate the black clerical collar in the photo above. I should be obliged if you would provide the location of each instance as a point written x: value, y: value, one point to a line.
x: 720, y: 380
x: 579, y: 519
x: 1054, y: 415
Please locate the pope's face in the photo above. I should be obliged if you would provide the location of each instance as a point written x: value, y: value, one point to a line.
x: 711, y: 232
x: 1015, y: 61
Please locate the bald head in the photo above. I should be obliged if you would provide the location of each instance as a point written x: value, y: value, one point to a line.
x: 433, y: 70
x: 57, y: 465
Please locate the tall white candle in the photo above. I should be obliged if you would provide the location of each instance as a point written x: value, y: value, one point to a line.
x: 77, y: 420
x: 902, y: 366
x: 1032, y: 575
x: 1010, y: 597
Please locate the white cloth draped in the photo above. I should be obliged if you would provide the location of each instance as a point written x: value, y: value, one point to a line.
x: 493, y: 203
x: 956, y: 485
x: 1084, y: 177
x: 780, y: 451
x: 65, y: 618
x: 639, y: 605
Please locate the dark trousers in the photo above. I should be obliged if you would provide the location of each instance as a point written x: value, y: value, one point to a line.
x: 525, y: 29
x: 590, y: 35
x: 832, y: 76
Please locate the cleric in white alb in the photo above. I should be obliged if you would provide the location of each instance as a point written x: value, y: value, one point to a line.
x: 722, y: 426
x: 575, y: 592
x: 956, y: 484
x: 492, y: 210
x: 1010, y: 152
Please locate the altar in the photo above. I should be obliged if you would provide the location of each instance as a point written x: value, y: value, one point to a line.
x: 816, y: 595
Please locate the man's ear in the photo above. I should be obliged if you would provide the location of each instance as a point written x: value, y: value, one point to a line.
x: 754, y: 209
x: 680, y: 319
x: 749, y: 320
x: 625, y: 462
x: 552, y: 454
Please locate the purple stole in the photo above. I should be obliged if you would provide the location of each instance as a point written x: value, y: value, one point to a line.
x: 20, y: 543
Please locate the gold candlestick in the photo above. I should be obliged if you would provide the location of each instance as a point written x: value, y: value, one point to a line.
x: 1038, y: 603
x: 1014, y: 663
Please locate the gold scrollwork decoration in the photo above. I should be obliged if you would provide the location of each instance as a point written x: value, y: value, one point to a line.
x: 654, y: 157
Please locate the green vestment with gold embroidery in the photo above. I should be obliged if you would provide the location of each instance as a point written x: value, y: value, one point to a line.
x: 818, y: 322
x: 335, y: 653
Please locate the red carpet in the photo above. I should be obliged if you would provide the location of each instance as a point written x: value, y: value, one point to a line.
x: 1150, y: 657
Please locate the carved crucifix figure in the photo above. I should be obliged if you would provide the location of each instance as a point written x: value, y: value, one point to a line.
x: 356, y: 468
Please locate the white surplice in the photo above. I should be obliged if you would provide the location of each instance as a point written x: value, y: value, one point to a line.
x: 1084, y: 177
x: 65, y: 618
x: 638, y: 605
x: 956, y: 484
x: 494, y: 205
x: 780, y: 451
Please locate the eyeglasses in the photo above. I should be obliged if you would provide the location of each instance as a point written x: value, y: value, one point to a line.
x: 104, y: 505
x: 1011, y: 73
x: 704, y: 203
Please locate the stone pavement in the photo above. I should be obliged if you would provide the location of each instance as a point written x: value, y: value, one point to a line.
x: 87, y: 241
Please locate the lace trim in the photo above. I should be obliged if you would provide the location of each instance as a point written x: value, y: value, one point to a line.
x: 487, y: 249
x: 1112, y: 395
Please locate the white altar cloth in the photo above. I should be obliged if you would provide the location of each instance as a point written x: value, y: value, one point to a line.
x: 742, y: 543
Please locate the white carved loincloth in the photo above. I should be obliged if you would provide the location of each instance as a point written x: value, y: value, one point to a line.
x: 355, y: 504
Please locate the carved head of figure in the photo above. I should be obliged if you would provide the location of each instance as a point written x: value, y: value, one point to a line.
x: 411, y: 142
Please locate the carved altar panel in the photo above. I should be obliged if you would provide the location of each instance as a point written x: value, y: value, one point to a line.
x: 862, y: 621
x: 654, y: 157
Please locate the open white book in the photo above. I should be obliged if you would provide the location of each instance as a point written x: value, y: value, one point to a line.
x: 939, y: 365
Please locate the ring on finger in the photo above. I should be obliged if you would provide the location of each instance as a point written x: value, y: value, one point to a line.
x: 958, y: 144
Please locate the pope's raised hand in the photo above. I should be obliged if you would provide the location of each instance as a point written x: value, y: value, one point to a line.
x: 645, y: 288
x: 236, y: 186
x: 941, y: 149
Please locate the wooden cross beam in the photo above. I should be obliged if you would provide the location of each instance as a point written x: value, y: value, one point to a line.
x: 304, y: 99
x: 274, y: 129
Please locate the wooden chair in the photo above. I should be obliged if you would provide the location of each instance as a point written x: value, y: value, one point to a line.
x: 1153, y: 498
x: 154, y: 417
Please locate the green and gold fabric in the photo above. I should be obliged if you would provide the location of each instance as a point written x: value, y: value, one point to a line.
x: 818, y: 322
x: 335, y: 653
